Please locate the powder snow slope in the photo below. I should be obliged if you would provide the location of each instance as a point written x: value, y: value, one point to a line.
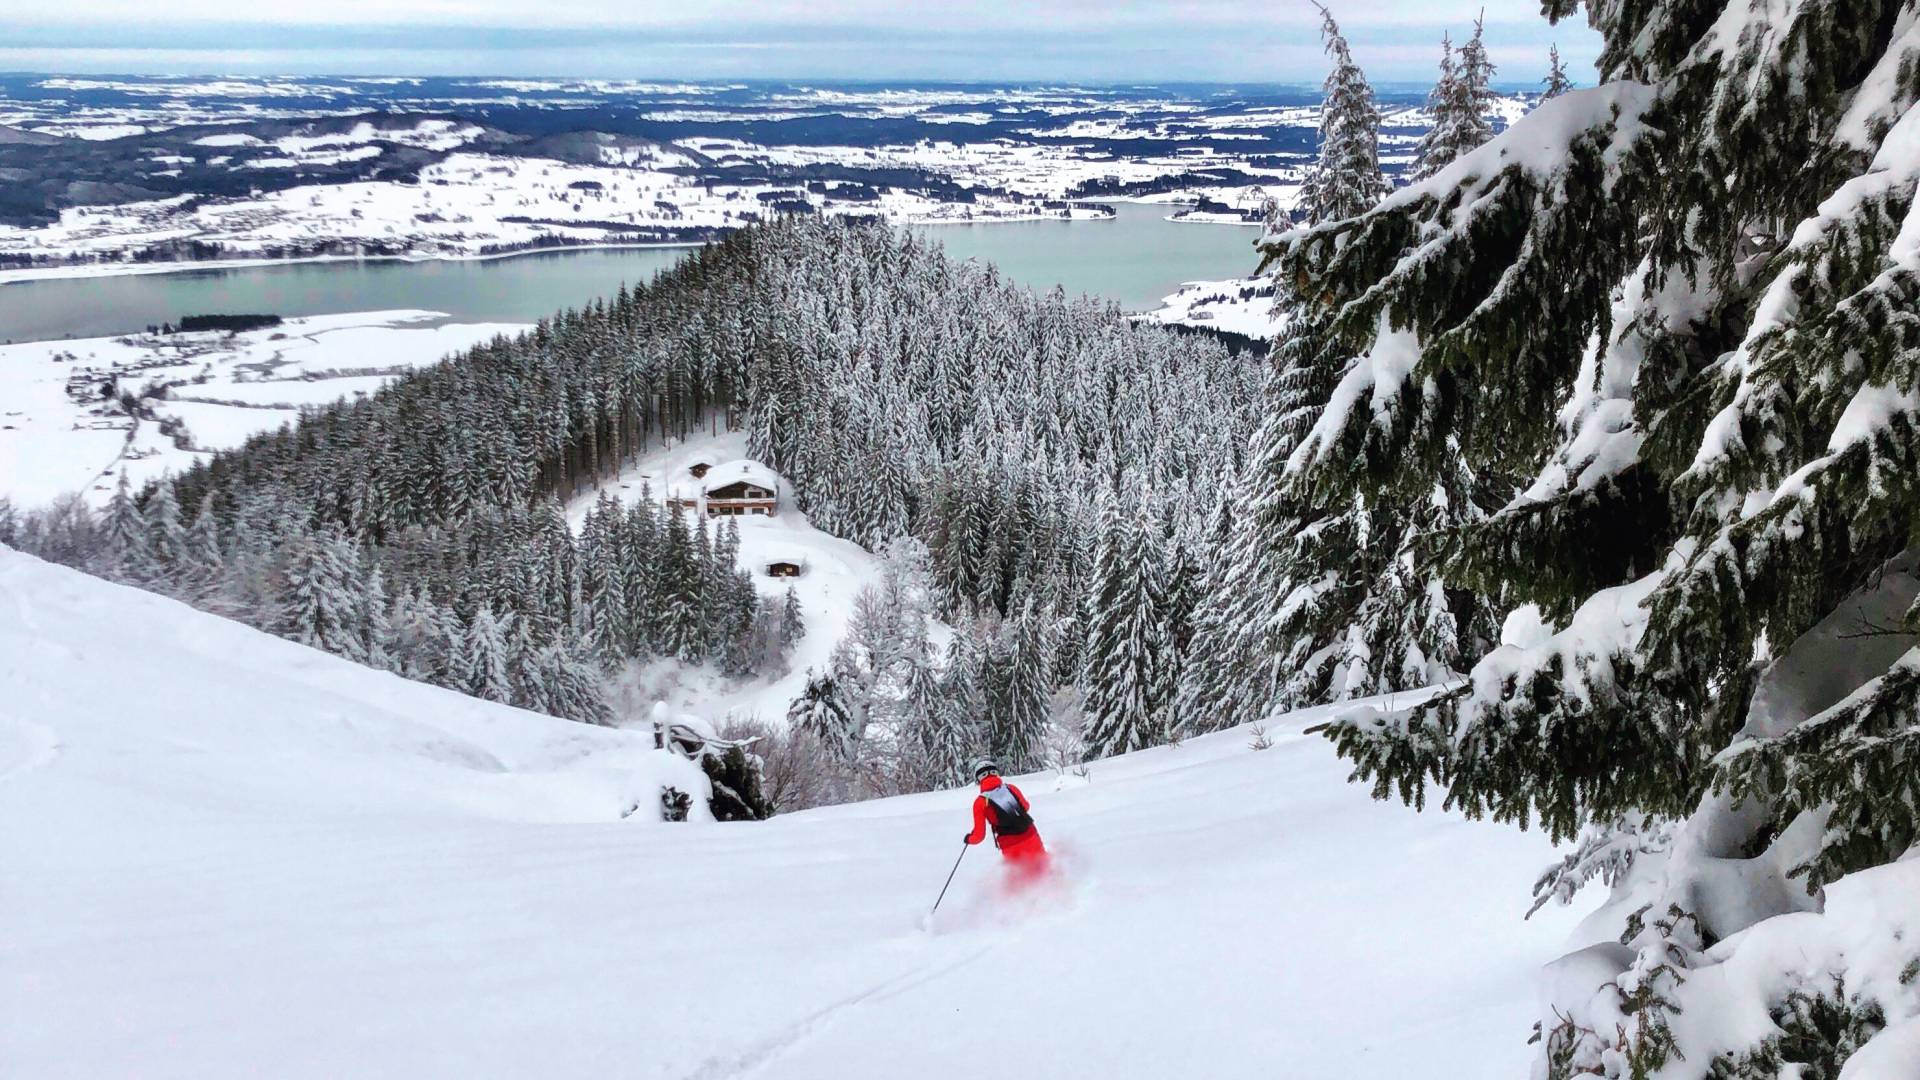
x: 227, y: 855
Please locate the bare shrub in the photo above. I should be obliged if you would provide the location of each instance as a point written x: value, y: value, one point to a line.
x: 797, y: 769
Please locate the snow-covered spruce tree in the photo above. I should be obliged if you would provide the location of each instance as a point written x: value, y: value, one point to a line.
x: 1125, y: 690
x: 1024, y: 693
x: 793, y: 622
x: 1318, y: 593
x: 324, y: 590
x: 166, y: 534
x: 1458, y: 106
x: 1685, y: 301
x: 486, y: 659
x: 205, y: 554
x: 126, y: 547
x: 1345, y: 177
x: 822, y: 712
x: 1477, y: 71
x: 1556, y: 82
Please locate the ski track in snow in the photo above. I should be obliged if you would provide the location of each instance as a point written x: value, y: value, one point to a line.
x: 772, y: 1048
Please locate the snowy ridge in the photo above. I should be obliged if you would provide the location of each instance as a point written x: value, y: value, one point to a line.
x: 148, y: 706
x: 259, y: 860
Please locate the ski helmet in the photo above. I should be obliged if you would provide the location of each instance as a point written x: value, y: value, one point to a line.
x: 985, y: 767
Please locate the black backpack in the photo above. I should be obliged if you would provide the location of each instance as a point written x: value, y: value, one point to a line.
x: 1009, y: 819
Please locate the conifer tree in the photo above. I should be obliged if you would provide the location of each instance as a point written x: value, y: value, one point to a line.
x: 932, y: 751
x: 1477, y: 71
x: 375, y: 624
x: 1680, y: 304
x: 486, y: 660
x: 421, y: 635
x: 1458, y: 106
x: 1023, y: 703
x: 606, y: 625
x: 203, y: 547
x: 678, y: 624
x: 571, y: 686
x: 324, y: 607
x: 1345, y: 177
x: 166, y: 535
x: 1556, y: 82
x: 965, y: 688
x: 824, y: 713
x: 1127, y: 648
x: 126, y: 546
x: 793, y: 623
x: 1292, y: 567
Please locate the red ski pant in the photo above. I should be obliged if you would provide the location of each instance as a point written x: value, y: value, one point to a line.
x: 1026, y: 854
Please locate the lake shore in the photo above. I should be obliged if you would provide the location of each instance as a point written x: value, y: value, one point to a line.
x: 1136, y: 258
x: 104, y: 269
x: 68, y: 271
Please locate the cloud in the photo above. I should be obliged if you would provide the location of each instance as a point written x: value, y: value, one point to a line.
x: 1017, y: 40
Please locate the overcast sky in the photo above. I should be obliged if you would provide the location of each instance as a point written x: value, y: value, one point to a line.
x: 986, y: 40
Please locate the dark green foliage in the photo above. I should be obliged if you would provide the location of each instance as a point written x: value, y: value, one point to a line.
x: 1860, y: 759
x: 675, y: 804
x: 1557, y: 82
x: 1129, y: 682
x: 737, y: 789
x: 1021, y: 697
x: 1611, y: 287
x: 1818, y: 1032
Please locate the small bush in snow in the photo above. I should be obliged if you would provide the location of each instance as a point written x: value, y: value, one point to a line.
x: 674, y: 804
x: 1818, y: 1033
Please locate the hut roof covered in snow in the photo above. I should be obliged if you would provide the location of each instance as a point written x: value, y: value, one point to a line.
x: 735, y: 472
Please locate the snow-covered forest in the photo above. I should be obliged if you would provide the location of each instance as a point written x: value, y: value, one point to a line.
x: 1587, y: 459
x: 1044, y: 469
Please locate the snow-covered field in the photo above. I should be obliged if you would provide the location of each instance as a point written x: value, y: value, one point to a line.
x: 62, y: 428
x: 467, y: 205
x: 1236, y: 306
x: 228, y: 855
x: 334, y: 166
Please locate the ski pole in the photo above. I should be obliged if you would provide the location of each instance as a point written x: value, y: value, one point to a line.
x: 956, y: 869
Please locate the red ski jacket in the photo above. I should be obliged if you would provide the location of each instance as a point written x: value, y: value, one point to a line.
x: 984, y: 812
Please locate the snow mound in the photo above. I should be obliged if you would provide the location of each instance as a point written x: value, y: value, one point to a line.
x: 228, y: 855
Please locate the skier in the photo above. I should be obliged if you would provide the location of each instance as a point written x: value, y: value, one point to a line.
x: 1002, y: 805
